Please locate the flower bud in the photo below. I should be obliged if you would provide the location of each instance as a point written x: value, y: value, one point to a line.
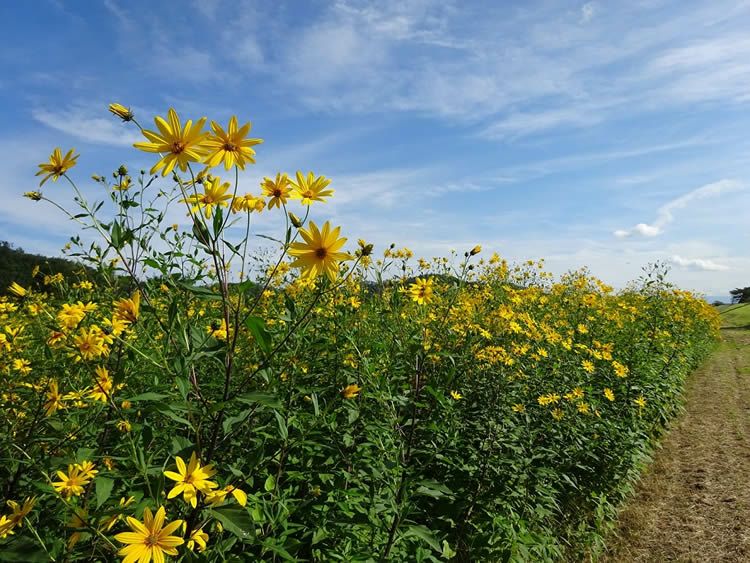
x: 121, y: 111
x: 476, y: 250
x: 122, y: 171
x: 295, y: 220
x: 35, y: 196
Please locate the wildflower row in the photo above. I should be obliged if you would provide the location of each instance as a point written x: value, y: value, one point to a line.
x: 201, y: 393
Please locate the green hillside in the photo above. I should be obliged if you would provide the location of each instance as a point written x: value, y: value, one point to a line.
x: 735, y: 315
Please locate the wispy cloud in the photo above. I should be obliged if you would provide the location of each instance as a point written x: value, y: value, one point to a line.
x: 89, y: 124
x: 665, y: 214
x: 698, y: 264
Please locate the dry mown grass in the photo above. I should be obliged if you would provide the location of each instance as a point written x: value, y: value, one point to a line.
x: 693, y: 504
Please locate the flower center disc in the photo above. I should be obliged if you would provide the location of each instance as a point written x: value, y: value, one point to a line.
x: 321, y: 253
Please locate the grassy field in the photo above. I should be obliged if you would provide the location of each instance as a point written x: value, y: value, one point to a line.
x: 733, y: 316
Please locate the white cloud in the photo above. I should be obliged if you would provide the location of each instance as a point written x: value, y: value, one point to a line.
x: 698, y: 264
x: 86, y: 125
x: 588, y: 10
x: 666, y: 212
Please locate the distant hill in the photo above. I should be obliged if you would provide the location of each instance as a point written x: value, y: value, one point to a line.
x: 17, y: 266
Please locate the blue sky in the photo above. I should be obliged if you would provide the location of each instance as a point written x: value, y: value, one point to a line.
x: 599, y: 134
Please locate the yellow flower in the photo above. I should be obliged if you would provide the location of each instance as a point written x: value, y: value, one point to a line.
x: 150, y: 539
x: 191, y: 479
x: 77, y: 522
x: 519, y: 408
x: 319, y: 254
x: 351, y: 391
x: 609, y: 394
x: 217, y: 497
x: 214, y: 193
x: 620, y: 369
x: 71, y: 315
x: 72, y: 483
x: 17, y: 290
x: 121, y: 111
x: 640, y: 401
x: 421, y: 290
x: 124, y: 426
x: 230, y: 146
x: 54, y: 399
x: 123, y: 185
x: 310, y: 188
x: 91, y: 343
x: 278, y: 190
x: 476, y: 250
x: 22, y: 366
x: 583, y: 408
x: 128, y: 309
x: 587, y: 366
x: 456, y: 395
x: 218, y: 329
x: 179, y: 145
x: 549, y: 399
x: 558, y: 414
x: 197, y: 538
x: 20, y: 511
x: 57, y: 165
x: 249, y: 203
x: 102, y: 389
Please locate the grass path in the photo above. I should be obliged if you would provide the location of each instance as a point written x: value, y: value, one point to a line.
x: 693, y: 503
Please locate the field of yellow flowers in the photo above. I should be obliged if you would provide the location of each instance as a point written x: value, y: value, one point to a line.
x: 196, y: 401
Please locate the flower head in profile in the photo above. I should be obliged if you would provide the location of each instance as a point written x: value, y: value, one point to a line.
x: 279, y: 190
x: 218, y: 496
x: 121, y: 111
x: 54, y: 399
x: 248, y: 203
x: 421, y: 290
x: 309, y: 188
x: 456, y: 396
x: 17, y: 290
x: 351, y: 391
x: 128, y: 309
x: 198, y: 539
x: 178, y: 144
x: 20, y: 510
x: 191, y: 479
x: 320, y: 251
x: 151, y: 539
x: 214, y: 194
x: 230, y: 146
x: 57, y: 165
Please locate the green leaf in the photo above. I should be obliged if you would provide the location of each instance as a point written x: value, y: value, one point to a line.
x: 232, y: 421
x: 150, y: 396
x: 423, y: 533
x: 261, y: 398
x: 22, y: 549
x: 236, y: 520
x: 257, y: 328
x: 103, y: 490
x: 447, y: 552
x: 201, y: 291
x: 283, y: 430
x: 270, y: 483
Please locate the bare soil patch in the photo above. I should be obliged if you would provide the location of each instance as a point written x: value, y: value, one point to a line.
x: 693, y: 503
